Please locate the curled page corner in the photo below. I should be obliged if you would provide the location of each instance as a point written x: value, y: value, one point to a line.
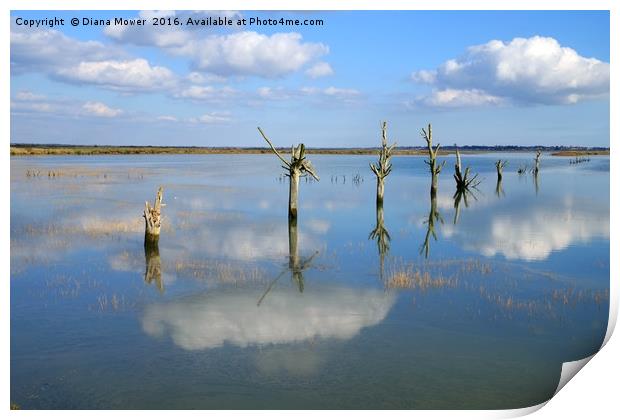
x: 613, y: 316
x: 520, y: 412
x: 570, y: 369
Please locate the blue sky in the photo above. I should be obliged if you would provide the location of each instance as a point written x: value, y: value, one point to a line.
x: 526, y: 78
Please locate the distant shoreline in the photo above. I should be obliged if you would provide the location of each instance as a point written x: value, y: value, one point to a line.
x: 59, y: 149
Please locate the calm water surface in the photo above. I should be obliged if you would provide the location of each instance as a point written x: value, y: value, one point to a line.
x: 462, y: 302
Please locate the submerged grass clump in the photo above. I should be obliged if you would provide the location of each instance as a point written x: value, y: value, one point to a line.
x: 409, y: 277
x: 82, y: 172
x: 221, y: 272
x: 92, y: 227
x: 502, y: 290
x: 114, y: 303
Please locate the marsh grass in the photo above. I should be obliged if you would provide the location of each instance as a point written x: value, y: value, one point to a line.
x: 64, y: 286
x: 407, y: 276
x: 113, y: 303
x: 498, y: 284
x: 581, y: 153
x: 226, y: 273
x: 92, y: 227
x: 43, y: 150
x: 76, y: 172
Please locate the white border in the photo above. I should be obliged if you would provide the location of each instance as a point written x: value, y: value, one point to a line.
x: 592, y: 394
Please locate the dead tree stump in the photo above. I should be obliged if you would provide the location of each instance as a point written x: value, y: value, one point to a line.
x: 383, y: 167
x: 537, y: 162
x: 432, y: 159
x: 463, y: 181
x: 152, y: 218
x: 298, y: 166
x: 500, y: 165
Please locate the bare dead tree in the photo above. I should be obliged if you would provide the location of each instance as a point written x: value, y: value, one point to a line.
x: 432, y: 159
x: 383, y: 167
x: 298, y: 166
x: 537, y: 162
x: 152, y: 218
x: 500, y: 165
x: 463, y: 181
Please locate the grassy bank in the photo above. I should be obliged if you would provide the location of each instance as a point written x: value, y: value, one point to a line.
x: 43, y: 150
x: 19, y: 150
x: 581, y: 153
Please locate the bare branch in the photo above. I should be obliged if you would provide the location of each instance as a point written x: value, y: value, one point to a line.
x: 288, y: 165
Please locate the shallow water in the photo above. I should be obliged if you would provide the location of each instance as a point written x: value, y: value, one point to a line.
x: 230, y: 312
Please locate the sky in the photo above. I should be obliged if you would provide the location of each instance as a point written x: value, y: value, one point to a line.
x: 480, y: 78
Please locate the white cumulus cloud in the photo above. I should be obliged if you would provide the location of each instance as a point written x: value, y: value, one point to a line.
x: 135, y: 74
x: 49, y: 50
x: 207, y: 93
x: 90, y: 62
x: 320, y: 69
x: 99, y: 109
x: 459, y: 98
x: 164, y: 36
x: 168, y: 118
x: 332, y: 93
x: 212, y: 118
x: 26, y: 95
x: 252, y: 54
x: 536, y: 70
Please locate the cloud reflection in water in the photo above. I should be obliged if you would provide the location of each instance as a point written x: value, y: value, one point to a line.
x: 211, y: 320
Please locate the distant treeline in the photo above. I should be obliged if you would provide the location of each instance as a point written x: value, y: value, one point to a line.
x: 65, y: 149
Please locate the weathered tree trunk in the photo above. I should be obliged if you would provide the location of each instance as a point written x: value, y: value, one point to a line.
x: 457, y: 167
x: 432, y: 160
x: 380, y: 218
x: 463, y: 181
x: 383, y: 167
x: 380, y: 190
x: 292, y: 193
x: 537, y: 162
x: 434, y: 185
x: 152, y: 218
x: 296, y: 167
x: 499, y: 165
x: 153, y: 264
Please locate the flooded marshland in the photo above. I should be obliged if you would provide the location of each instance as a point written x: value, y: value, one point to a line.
x: 469, y: 300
